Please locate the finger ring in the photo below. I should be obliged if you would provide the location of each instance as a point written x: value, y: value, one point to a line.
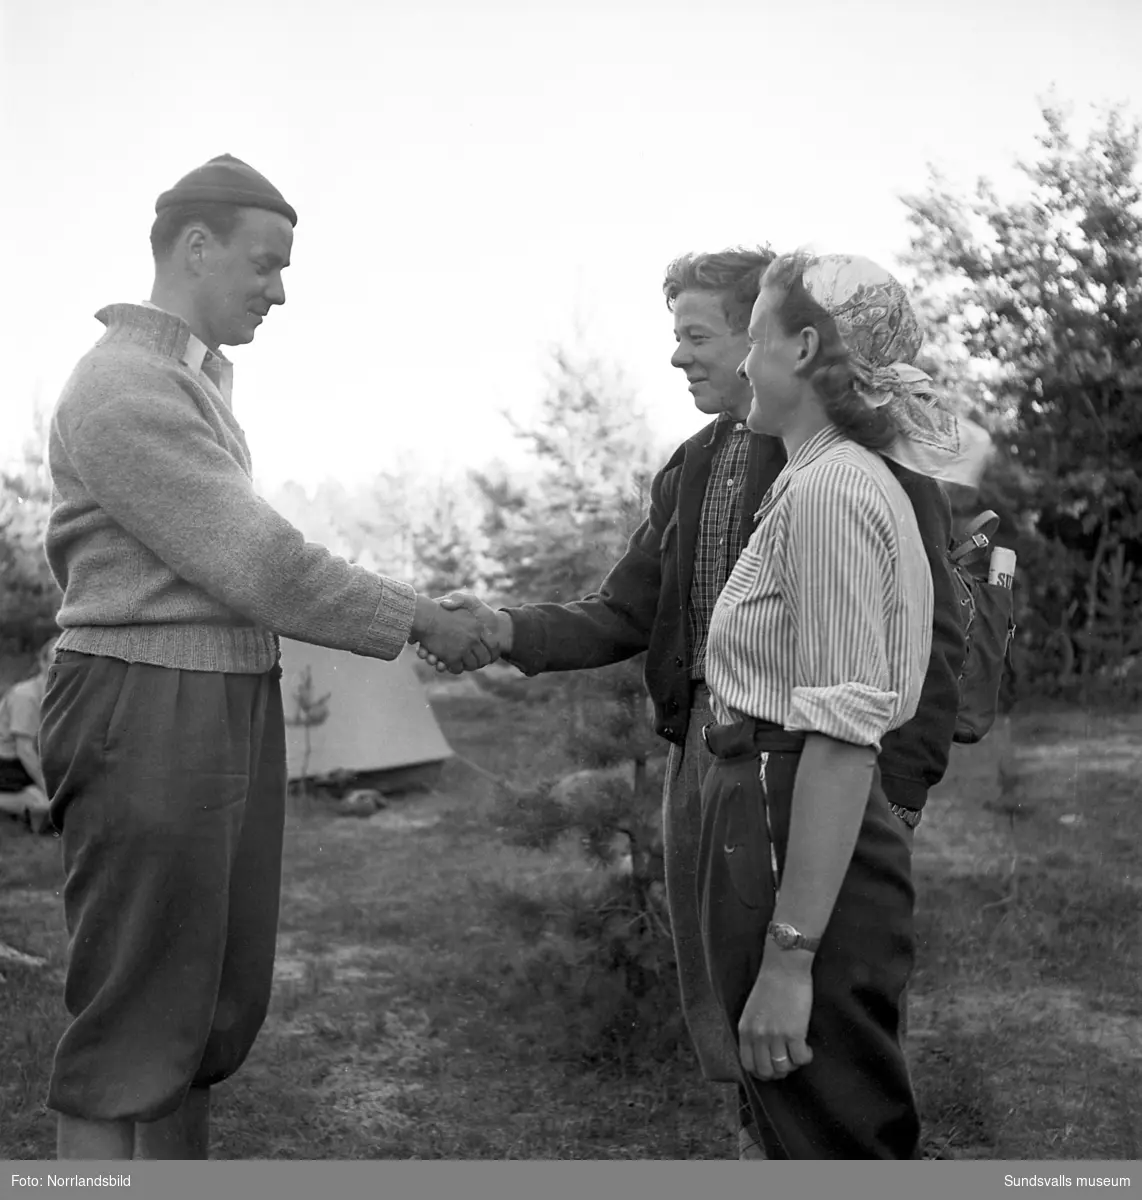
x: 780, y: 1057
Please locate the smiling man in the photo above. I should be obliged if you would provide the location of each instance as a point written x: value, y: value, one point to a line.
x: 162, y: 734
x: 659, y: 598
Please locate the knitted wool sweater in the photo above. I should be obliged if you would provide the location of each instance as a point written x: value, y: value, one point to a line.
x: 164, y: 551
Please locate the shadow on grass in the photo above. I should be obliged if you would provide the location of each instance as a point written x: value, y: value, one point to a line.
x: 414, y: 1016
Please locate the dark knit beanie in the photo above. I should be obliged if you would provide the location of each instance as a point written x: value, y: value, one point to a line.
x: 227, y: 180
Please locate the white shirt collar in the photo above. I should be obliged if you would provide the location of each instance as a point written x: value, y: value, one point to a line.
x: 196, y: 354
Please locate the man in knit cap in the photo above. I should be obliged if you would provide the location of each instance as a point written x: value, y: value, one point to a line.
x: 162, y: 735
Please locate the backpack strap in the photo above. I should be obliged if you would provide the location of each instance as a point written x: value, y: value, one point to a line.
x: 986, y: 617
x: 978, y: 538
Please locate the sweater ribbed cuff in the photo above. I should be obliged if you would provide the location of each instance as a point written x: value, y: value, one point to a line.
x: 391, y: 625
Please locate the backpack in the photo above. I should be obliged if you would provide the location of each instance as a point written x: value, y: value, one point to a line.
x: 987, y: 617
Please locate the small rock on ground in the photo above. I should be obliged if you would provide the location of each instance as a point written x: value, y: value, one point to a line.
x: 360, y: 803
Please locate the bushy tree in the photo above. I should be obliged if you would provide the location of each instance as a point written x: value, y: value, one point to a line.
x: 370, y: 523
x: 403, y: 523
x: 29, y: 596
x: 447, y: 541
x: 554, y: 538
x: 612, y: 960
x: 1035, y: 307
x: 310, y: 710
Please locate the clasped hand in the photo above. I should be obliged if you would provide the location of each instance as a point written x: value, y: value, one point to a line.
x: 461, y: 633
x: 775, y: 1022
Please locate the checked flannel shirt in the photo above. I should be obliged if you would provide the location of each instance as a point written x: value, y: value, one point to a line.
x: 719, y: 533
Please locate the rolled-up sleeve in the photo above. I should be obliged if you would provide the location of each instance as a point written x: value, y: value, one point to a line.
x: 835, y: 582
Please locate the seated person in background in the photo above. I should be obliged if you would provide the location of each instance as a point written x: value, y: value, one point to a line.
x: 22, y: 791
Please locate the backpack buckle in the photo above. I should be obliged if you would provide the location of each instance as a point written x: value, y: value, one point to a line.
x: 978, y: 537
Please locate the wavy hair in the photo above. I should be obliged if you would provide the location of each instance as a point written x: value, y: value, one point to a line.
x: 734, y: 274
x: 831, y: 371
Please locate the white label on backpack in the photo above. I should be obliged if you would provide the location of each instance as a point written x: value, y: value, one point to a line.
x: 1001, y: 569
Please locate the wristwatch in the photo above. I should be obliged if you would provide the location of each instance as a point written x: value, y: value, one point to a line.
x: 788, y: 938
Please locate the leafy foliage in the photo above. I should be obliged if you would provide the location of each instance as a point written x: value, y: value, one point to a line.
x: 445, y: 545
x: 29, y: 596
x: 1036, y: 312
x: 310, y: 710
x: 556, y: 541
x: 554, y: 536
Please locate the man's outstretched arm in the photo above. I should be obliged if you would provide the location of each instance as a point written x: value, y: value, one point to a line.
x: 605, y: 627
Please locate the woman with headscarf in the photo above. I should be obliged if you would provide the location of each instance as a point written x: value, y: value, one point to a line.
x: 818, y: 647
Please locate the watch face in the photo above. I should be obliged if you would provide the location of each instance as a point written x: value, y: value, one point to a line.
x: 785, y: 936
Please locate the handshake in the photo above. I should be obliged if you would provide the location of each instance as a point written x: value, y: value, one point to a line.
x: 459, y: 632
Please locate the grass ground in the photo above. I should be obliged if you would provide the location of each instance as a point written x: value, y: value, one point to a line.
x: 404, y: 1023
x: 1027, y: 1015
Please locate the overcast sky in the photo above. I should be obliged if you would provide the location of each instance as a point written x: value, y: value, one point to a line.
x: 473, y: 181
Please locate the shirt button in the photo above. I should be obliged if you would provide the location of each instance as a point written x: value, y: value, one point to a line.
x: 729, y: 483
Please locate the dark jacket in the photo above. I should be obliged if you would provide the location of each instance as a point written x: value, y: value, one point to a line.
x: 642, y: 605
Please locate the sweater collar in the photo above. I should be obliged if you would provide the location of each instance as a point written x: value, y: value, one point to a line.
x: 164, y: 333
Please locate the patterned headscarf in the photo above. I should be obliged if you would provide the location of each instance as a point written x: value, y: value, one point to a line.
x: 881, y: 334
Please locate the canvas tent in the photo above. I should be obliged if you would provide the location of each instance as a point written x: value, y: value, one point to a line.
x: 377, y: 718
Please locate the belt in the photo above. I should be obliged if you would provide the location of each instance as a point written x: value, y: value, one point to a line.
x: 752, y: 735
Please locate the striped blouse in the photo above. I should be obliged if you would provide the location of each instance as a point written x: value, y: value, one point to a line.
x: 825, y: 624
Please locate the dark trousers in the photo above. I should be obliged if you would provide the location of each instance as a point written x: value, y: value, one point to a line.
x: 168, y: 788
x: 854, y: 1100
x: 686, y: 768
